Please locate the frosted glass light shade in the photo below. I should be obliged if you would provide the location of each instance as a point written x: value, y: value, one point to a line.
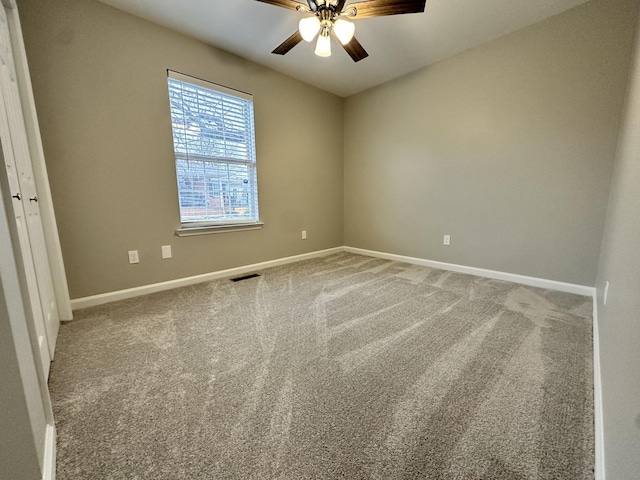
x: 344, y: 30
x: 323, y: 47
x: 309, y: 28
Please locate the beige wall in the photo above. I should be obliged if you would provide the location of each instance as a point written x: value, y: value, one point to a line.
x: 619, y: 320
x: 99, y: 80
x: 508, y: 148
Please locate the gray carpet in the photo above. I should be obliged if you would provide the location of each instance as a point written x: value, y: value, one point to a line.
x: 343, y: 367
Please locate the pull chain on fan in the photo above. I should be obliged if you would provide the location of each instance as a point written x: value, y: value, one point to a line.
x: 331, y: 17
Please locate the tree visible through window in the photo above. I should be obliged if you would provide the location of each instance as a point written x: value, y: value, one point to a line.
x: 214, y: 145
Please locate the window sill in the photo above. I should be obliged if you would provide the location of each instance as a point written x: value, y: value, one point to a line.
x: 209, y: 229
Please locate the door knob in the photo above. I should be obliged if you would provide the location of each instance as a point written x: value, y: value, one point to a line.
x: 34, y: 199
x: 17, y: 195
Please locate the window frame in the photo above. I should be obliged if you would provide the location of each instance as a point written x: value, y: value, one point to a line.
x: 226, y: 224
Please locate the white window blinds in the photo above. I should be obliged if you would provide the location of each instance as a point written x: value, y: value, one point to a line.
x: 214, y: 145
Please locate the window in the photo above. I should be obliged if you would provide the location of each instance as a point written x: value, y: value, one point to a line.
x: 214, y: 145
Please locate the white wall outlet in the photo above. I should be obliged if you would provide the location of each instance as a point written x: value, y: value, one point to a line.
x: 447, y: 240
x: 606, y: 293
x: 133, y: 256
x: 304, y: 234
x: 166, y: 251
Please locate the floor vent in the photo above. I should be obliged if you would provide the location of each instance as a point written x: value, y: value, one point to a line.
x: 246, y: 277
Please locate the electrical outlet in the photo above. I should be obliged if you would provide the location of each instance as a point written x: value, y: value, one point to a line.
x: 304, y: 234
x: 606, y: 293
x: 133, y: 256
x: 447, y: 240
x: 166, y: 251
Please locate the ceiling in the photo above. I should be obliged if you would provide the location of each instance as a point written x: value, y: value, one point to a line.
x: 396, y: 44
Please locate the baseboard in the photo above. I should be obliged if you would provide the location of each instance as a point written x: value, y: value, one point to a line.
x: 481, y: 272
x: 49, y: 461
x: 103, y: 298
x: 597, y: 396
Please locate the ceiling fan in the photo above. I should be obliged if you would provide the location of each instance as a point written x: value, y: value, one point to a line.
x: 332, y: 17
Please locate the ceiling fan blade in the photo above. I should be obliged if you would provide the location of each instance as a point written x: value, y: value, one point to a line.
x: 355, y: 50
x: 379, y: 8
x: 288, y: 44
x: 289, y: 4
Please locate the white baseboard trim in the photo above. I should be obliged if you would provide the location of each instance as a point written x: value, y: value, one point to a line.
x: 481, y: 272
x: 103, y: 298
x: 49, y: 461
x: 597, y: 394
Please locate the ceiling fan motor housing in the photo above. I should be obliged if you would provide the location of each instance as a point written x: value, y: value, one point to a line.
x: 326, y: 19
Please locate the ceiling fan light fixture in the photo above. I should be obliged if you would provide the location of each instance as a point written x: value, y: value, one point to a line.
x: 309, y: 28
x: 323, y: 47
x: 344, y: 30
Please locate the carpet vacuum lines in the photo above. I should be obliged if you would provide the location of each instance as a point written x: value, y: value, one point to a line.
x: 337, y: 367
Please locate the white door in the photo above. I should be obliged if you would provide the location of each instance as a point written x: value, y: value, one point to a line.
x: 23, y: 236
x: 26, y: 208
